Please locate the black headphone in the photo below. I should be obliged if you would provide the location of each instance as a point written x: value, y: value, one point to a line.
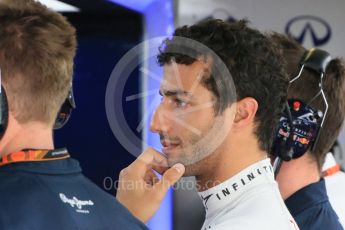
x: 299, y: 126
x: 61, y: 119
x: 65, y: 110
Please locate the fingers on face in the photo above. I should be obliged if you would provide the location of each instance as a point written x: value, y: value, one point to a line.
x: 150, y: 159
x: 151, y: 178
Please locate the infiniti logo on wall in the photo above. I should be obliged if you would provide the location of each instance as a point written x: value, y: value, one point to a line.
x: 309, y: 29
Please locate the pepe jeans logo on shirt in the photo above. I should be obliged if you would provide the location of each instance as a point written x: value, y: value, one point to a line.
x: 76, y: 203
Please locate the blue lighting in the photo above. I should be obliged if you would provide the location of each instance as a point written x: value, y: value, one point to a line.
x: 158, y: 21
x: 137, y: 5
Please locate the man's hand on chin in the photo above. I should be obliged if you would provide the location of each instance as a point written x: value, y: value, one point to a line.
x: 140, y: 190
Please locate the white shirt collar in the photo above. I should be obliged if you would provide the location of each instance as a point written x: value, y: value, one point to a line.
x: 227, y: 193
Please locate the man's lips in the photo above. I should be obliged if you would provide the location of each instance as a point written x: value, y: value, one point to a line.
x: 168, y: 146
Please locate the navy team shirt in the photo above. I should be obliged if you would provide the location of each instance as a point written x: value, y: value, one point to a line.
x: 311, y: 208
x: 55, y: 195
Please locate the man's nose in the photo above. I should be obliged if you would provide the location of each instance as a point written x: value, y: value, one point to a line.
x: 160, y: 122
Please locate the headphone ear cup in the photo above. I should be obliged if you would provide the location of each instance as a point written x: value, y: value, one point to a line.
x: 3, y: 111
x: 282, y: 145
x: 65, y: 111
x: 283, y: 148
x: 63, y: 116
x: 289, y: 152
x: 298, y: 128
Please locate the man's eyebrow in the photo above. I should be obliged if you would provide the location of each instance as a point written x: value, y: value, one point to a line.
x: 170, y: 93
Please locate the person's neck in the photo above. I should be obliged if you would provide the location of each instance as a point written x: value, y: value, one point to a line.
x: 229, y: 162
x: 297, y: 174
x: 33, y: 136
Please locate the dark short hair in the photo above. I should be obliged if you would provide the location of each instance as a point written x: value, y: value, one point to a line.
x: 254, y: 62
x: 307, y: 86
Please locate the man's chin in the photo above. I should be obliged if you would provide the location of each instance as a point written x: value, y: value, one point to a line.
x: 173, y: 161
x: 190, y: 168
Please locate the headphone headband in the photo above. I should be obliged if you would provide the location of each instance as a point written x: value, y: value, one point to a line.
x: 317, y: 60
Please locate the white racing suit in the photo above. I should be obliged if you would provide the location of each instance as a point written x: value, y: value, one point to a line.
x: 250, y: 200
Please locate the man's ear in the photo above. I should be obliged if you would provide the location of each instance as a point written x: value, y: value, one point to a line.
x: 245, y: 111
